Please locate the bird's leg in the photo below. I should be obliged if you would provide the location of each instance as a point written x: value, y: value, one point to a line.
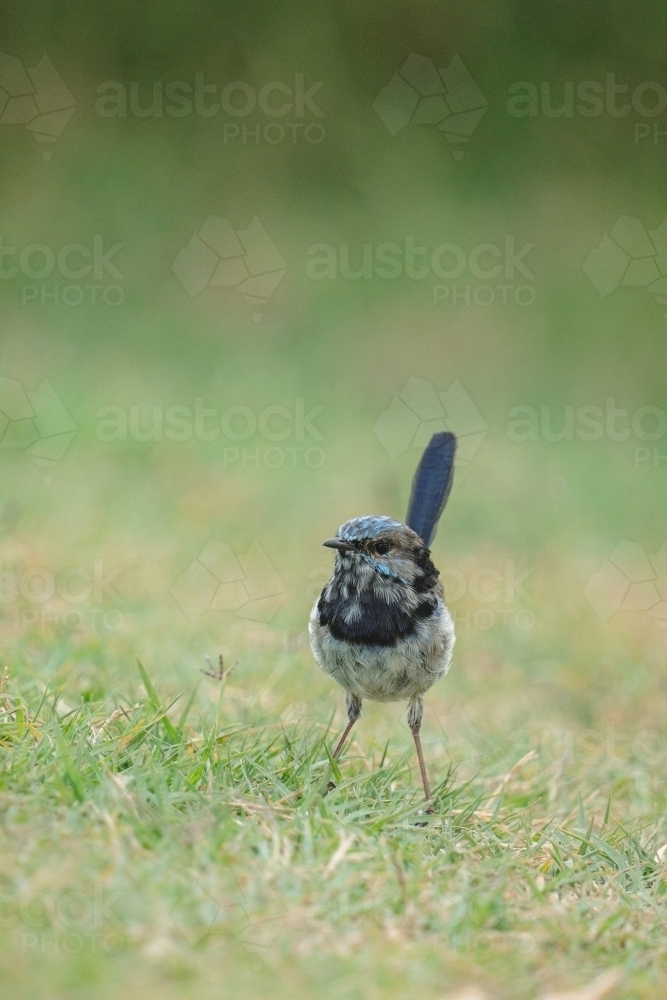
x: 353, y: 713
x: 415, y: 714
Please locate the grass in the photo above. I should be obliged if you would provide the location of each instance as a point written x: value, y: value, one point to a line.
x: 165, y: 834
x: 156, y: 834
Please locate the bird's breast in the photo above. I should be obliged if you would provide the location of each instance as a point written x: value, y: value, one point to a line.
x: 369, y: 619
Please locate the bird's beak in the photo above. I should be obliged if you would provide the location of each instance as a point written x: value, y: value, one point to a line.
x: 338, y: 543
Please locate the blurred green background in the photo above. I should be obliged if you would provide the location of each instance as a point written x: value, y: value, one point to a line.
x: 268, y: 488
x: 142, y: 187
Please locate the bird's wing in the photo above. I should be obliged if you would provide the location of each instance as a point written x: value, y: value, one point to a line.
x: 431, y: 486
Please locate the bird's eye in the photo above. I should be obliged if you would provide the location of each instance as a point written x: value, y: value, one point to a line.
x: 382, y: 547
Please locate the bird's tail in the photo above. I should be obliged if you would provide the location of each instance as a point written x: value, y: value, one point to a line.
x: 431, y: 486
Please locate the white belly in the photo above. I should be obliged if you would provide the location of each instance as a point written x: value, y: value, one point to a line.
x: 387, y: 673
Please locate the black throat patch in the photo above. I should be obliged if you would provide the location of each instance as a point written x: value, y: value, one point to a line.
x: 375, y: 622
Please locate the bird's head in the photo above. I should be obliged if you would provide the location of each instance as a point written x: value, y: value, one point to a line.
x: 378, y: 552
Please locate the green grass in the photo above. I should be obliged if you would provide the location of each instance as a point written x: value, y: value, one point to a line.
x: 165, y: 835
x: 159, y: 837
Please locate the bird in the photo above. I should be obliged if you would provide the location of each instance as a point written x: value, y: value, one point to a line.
x: 380, y: 627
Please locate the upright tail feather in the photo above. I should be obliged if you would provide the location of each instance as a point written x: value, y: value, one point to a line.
x: 431, y: 486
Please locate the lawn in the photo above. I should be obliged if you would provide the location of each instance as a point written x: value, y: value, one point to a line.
x: 174, y: 453
x: 166, y: 828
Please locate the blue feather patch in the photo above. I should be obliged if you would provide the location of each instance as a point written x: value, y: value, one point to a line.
x: 431, y: 486
x: 368, y: 526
